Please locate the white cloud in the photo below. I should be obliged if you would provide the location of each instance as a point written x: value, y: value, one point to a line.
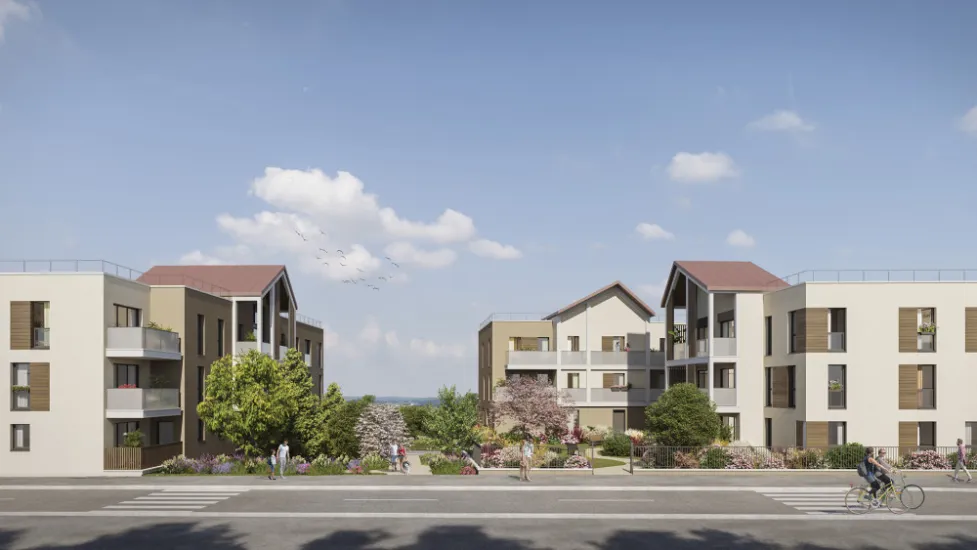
x: 653, y: 291
x: 428, y: 348
x: 968, y: 123
x: 11, y: 10
x: 331, y: 338
x: 371, y: 332
x: 781, y: 121
x: 391, y: 338
x: 653, y: 232
x: 406, y: 253
x: 701, y: 167
x: 495, y: 250
x: 238, y: 254
x: 741, y: 239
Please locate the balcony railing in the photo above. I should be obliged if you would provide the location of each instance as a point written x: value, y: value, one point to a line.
x: 836, y: 341
x: 636, y: 358
x: 927, y: 399
x: 42, y: 338
x: 573, y: 357
x: 531, y: 358
x: 140, y: 458
x: 836, y: 399
x: 123, y: 340
x: 701, y: 348
x: 242, y: 348
x: 634, y: 395
x: 680, y: 351
x: 724, y: 347
x: 926, y: 342
x: 140, y: 402
x: 724, y: 397
x: 579, y: 395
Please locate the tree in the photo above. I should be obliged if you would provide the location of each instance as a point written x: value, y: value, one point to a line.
x: 341, y: 438
x: 416, y: 417
x: 683, y: 417
x: 533, y: 406
x: 305, y: 428
x: 248, y: 401
x: 379, y: 427
x: 452, y: 422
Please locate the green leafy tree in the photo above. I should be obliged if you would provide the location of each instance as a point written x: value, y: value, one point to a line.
x: 452, y: 423
x: 416, y: 417
x: 683, y: 417
x: 304, y: 428
x: 249, y: 402
x: 341, y: 438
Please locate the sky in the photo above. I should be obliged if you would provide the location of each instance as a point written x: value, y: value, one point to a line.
x: 507, y: 156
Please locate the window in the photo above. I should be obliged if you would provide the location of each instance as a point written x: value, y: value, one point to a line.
x: 794, y: 332
x: 612, y: 379
x: 126, y: 316
x: 319, y: 353
x: 200, y: 334
x: 543, y: 344
x: 970, y: 437
x: 201, y: 380
x: 543, y: 377
x: 220, y: 338
x: 308, y: 347
x: 573, y: 343
x: 661, y: 344
x: 725, y: 376
x: 733, y: 421
x: 727, y: 329
x: 40, y: 327
x: 121, y: 429
x: 926, y: 322
x: 837, y: 434
x: 837, y: 387
x: 126, y: 375
x: 702, y: 378
x: 768, y: 334
x: 165, y: 432
x: 768, y: 402
x: 20, y: 437
x: 926, y: 382
x: 792, y: 386
x: 20, y: 398
x: 657, y: 379
x: 799, y: 434
x: 837, y: 325
x: 573, y: 380
x: 927, y: 434
x: 512, y: 343
x: 768, y: 431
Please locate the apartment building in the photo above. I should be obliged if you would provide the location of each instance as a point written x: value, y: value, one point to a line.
x: 823, y: 358
x: 603, y: 349
x: 96, y: 351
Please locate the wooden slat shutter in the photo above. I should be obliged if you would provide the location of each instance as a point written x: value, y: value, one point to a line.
x: 970, y: 330
x: 20, y: 325
x: 781, y: 388
x: 908, y: 387
x: 607, y: 343
x: 608, y: 379
x: 817, y: 434
x: 908, y: 437
x: 40, y: 381
x: 816, y: 320
x: 908, y: 330
x: 527, y: 344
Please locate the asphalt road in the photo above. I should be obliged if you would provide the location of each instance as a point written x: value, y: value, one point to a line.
x: 501, y: 514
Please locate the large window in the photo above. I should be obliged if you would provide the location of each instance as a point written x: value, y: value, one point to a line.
x: 20, y: 437
x: 201, y: 380
x: 573, y: 380
x: 543, y: 344
x: 126, y: 316
x: 927, y: 434
x: 794, y: 331
x: 657, y: 379
x: 40, y: 325
x: 126, y: 375
x: 613, y: 379
x: 768, y: 376
x: 837, y: 387
x: 926, y: 382
x: 733, y: 421
x: 768, y: 335
x: 20, y: 394
x: 792, y: 386
x: 200, y: 334
x: 573, y: 343
x: 725, y: 376
x: 837, y: 433
x: 837, y: 327
x: 768, y: 431
x: 308, y: 347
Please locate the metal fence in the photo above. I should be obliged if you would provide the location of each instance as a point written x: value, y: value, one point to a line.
x: 842, y: 457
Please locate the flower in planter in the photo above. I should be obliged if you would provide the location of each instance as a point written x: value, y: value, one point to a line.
x: 128, y: 387
x: 576, y: 462
x: 21, y: 388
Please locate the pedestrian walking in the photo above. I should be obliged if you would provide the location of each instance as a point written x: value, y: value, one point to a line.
x: 527, y: 459
x: 961, y: 462
x: 271, y: 465
x: 393, y: 455
x: 284, y: 455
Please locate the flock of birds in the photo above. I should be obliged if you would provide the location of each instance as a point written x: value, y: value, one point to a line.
x: 340, y: 257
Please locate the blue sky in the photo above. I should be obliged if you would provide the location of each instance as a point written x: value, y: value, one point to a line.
x: 837, y: 135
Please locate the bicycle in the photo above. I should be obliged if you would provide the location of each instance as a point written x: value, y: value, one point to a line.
x: 859, y: 500
x: 911, y: 495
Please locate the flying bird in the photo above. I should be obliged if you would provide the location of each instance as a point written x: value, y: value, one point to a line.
x: 340, y: 251
x: 376, y: 288
x: 382, y: 278
x: 360, y: 270
x: 395, y: 264
x: 362, y: 279
x: 325, y: 263
x: 343, y: 257
x: 324, y: 250
x: 342, y: 264
x: 321, y: 231
x: 301, y: 235
x: 388, y: 258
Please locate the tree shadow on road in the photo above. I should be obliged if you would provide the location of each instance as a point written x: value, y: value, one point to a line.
x: 183, y: 536
x: 715, y: 539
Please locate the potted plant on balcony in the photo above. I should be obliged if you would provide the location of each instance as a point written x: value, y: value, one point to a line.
x: 21, y: 388
x: 156, y: 326
x: 127, y: 387
x: 621, y: 387
x: 927, y: 328
x: 250, y: 337
x: 132, y: 439
x: 834, y: 385
x: 677, y: 337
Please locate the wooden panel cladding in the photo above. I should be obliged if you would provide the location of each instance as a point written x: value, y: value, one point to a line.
x: 970, y: 330
x: 816, y: 321
x: 908, y: 330
x: 908, y: 437
x: 817, y: 434
x: 527, y: 344
x: 800, y: 331
x: 20, y: 325
x: 40, y: 381
x: 781, y: 388
x: 908, y: 387
x: 607, y: 343
x: 608, y: 379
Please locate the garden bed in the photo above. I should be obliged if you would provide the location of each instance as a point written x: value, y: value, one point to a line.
x: 239, y: 465
x: 544, y: 471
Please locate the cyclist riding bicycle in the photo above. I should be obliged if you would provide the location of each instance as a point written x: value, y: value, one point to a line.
x: 869, y: 469
x: 885, y: 479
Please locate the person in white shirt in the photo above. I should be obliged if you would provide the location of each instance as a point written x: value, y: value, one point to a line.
x: 394, y: 455
x: 283, y: 457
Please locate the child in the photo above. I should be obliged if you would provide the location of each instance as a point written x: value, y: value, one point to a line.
x: 271, y: 464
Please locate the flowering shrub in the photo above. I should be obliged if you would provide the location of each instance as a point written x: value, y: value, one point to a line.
x: 222, y: 468
x: 596, y: 433
x: 570, y: 439
x: 468, y: 470
x: 686, y: 461
x: 647, y: 460
x: 303, y: 468
x: 716, y: 458
x: 379, y: 426
x: 178, y: 465
x: 740, y: 459
x: 576, y: 462
x: 510, y: 457
x: 806, y: 459
x: 374, y: 462
x: 357, y: 470
x: 927, y: 460
x: 550, y: 460
x: 492, y: 460
x: 426, y: 458
x: 772, y: 462
x: 637, y: 436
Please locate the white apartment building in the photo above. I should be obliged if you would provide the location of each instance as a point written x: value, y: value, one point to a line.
x: 604, y: 349
x: 96, y: 351
x: 825, y: 358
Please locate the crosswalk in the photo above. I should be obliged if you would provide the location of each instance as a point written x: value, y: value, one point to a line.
x: 175, y: 499
x: 814, y: 503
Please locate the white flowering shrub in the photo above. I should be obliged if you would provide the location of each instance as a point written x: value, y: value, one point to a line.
x: 379, y: 427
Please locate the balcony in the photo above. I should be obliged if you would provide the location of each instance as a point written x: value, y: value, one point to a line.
x: 573, y: 357
x: 42, y: 338
x: 724, y: 397
x: 579, y: 395
x: 836, y: 341
x: 701, y: 348
x: 142, y: 343
x: 680, y: 352
x: 634, y: 396
x: 616, y: 358
x: 141, y: 403
x: 654, y: 394
x: 724, y: 347
x: 926, y: 342
x: 836, y: 399
x: 927, y: 399
x: 140, y: 458
x: 531, y: 359
x: 242, y: 348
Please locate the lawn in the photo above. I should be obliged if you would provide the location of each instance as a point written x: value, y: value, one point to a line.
x: 601, y: 462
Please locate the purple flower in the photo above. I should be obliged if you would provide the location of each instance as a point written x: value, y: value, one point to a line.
x: 303, y: 468
x: 224, y: 468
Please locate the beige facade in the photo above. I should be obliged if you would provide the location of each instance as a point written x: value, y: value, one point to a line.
x: 94, y: 356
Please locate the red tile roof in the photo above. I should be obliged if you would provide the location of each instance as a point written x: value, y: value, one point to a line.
x: 228, y: 280
x: 617, y: 284
x: 726, y: 276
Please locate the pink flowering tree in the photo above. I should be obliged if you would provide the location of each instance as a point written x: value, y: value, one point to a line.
x: 533, y: 406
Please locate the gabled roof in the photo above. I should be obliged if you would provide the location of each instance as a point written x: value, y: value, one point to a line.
x: 617, y: 284
x: 726, y: 277
x: 233, y: 280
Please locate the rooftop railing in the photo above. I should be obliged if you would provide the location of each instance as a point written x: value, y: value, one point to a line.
x: 511, y: 317
x: 875, y: 276
x: 305, y: 320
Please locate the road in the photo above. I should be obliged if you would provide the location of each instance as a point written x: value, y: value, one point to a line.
x: 395, y: 512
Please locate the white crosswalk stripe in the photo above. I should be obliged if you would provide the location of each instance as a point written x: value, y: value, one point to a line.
x: 175, y: 499
x: 830, y: 501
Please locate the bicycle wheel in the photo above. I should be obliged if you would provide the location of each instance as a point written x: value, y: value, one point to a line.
x: 912, y: 496
x: 894, y: 502
x: 858, y: 501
